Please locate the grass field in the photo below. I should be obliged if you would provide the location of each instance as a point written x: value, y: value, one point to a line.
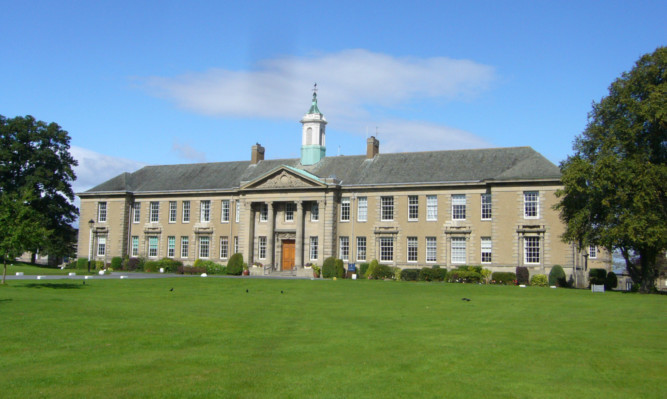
x: 33, y: 270
x: 326, y: 339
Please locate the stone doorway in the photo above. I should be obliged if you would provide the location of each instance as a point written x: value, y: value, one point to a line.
x: 288, y: 252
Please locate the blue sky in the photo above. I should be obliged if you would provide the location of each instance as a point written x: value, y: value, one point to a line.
x: 162, y: 82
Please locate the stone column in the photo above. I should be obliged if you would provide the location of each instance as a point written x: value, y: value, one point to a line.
x: 270, y: 239
x: 298, y: 247
x: 250, y: 238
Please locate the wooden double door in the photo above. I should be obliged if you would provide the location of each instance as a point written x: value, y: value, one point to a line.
x: 288, y: 250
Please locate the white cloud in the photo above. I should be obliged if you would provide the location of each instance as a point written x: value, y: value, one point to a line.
x: 95, y: 168
x: 186, y: 151
x: 355, y: 82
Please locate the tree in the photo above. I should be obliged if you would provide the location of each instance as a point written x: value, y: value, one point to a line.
x: 614, y: 184
x: 35, y: 158
x: 21, y: 226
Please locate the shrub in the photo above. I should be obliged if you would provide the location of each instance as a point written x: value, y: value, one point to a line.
x: 425, y: 274
x: 363, y: 268
x: 328, y: 267
x: 382, y: 272
x: 486, y: 275
x: 597, y: 276
x: 371, y: 268
x: 116, y: 263
x: 465, y: 274
x: 235, y: 265
x: 438, y: 274
x: 151, y: 266
x: 522, y: 275
x: 191, y: 269
x: 82, y: 263
x: 410, y: 274
x: 610, y: 281
x: 135, y: 264
x: 557, y: 276
x: 340, y: 268
x: 505, y: 278
x: 539, y: 280
x: 397, y: 273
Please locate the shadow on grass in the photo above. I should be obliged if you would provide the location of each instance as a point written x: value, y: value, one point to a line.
x: 5, y: 300
x: 67, y: 286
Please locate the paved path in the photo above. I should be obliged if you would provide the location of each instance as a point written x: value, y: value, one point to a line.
x: 137, y: 276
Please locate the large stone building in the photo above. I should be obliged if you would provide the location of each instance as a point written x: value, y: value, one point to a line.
x: 490, y: 207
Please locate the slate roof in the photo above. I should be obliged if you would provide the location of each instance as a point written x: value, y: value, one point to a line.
x: 497, y: 164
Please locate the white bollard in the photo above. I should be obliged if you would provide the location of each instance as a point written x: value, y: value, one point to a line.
x: 522, y: 286
x: 354, y: 277
x: 162, y: 270
x: 19, y: 273
x: 122, y: 277
x: 40, y: 277
x: 88, y: 277
x: 72, y: 274
x: 101, y: 272
x: 204, y: 275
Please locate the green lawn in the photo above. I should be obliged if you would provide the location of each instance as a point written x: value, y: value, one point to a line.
x: 30, y: 269
x: 326, y: 339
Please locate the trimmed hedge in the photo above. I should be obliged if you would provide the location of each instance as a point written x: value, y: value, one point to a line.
x: 340, y: 268
x: 235, y: 265
x: 597, y: 276
x: 363, y: 268
x: 611, y: 281
x: 465, y: 274
x: 504, y: 278
x: 410, y: 274
x: 522, y: 275
x: 432, y: 274
x: 557, y: 276
x: 328, y: 267
x: 82, y: 263
x: 191, y: 270
x: 116, y: 263
x: 133, y: 264
x: 539, y: 280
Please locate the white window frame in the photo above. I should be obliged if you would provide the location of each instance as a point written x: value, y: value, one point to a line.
x: 101, y: 245
x: 102, y: 212
x: 431, y: 208
x: 531, y: 250
x: 345, y: 209
x: 458, y: 207
x: 237, y: 216
x: 459, y: 250
x: 413, y: 208
x: 314, y: 250
x: 154, y: 214
x: 289, y: 211
x: 486, y: 208
x: 224, y: 211
x: 204, y: 247
x: 386, y: 249
x: 486, y: 250
x: 592, y: 252
x: 314, y: 212
x: 261, y: 247
x: 413, y: 250
x: 171, y: 246
x: 236, y: 244
x: 361, y: 248
x: 344, y: 248
x: 531, y: 204
x: 264, y: 212
x: 224, y: 247
x: 205, y: 211
x: 172, y: 211
x: 136, y: 209
x: 153, y: 247
x: 186, y: 211
x: 135, y: 246
x: 185, y: 247
x: 387, y: 209
x: 431, y: 249
x: 362, y: 209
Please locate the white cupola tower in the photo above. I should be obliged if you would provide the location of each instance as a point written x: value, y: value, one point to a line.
x: 313, y: 145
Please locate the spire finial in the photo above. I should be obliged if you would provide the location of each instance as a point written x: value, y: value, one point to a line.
x: 313, y: 107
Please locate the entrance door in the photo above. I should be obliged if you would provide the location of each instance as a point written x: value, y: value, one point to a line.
x: 288, y: 254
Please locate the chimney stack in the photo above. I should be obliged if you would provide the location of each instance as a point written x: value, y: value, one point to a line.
x: 372, y: 147
x: 257, y: 154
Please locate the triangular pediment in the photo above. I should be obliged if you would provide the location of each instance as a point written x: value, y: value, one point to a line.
x: 284, y: 178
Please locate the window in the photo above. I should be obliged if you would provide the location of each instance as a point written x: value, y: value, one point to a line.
x: 413, y: 207
x: 136, y: 208
x: 185, y: 243
x: 224, y: 247
x: 205, y: 208
x: 486, y: 206
x: 387, y: 208
x: 592, y: 252
x: 345, y: 248
x: 155, y: 212
x: 204, y: 242
x: 171, y: 246
x: 431, y: 207
x: 531, y: 246
x: 413, y: 247
x: 101, y: 246
x: 361, y: 248
x: 531, y: 205
x: 313, y: 248
x: 486, y: 249
x: 458, y: 250
x: 261, y: 247
x: 238, y: 211
x: 135, y: 245
x: 314, y: 212
x: 345, y: 209
x: 264, y: 213
x: 431, y: 249
x: 289, y: 212
x: 152, y: 247
x: 362, y: 209
x: 224, y: 211
x: 458, y: 206
x: 172, y: 211
x: 101, y: 212
x: 236, y: 244
x: 186, y: 211
x: 386, y: 248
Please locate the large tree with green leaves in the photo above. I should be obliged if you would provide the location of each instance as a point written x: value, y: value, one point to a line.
x: 614, y: 184
x: 35, y: 158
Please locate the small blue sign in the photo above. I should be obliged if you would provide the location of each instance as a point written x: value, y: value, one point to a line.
x: 351, y: 267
